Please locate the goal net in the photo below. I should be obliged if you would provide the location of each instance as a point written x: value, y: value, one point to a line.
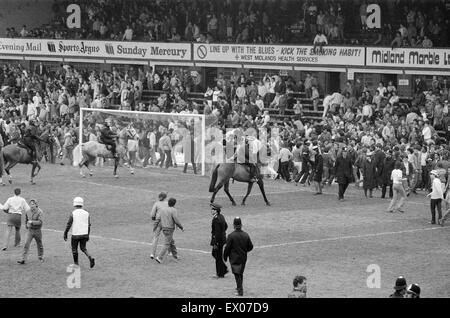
x: 142, y: 133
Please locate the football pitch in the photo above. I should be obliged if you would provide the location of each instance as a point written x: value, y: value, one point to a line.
x: 331, y: 243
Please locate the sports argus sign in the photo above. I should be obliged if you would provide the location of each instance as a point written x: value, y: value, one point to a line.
x: 74, y: 48
x: 279, y: 54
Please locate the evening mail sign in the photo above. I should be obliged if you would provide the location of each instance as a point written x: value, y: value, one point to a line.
x: 278, y: 54
x: 98, y: 49
x: 406, y: 58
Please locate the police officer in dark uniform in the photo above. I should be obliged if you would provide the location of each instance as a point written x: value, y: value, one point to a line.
x: 254, y: 171
x: 107, y: 137
x: 29, y: 138
x: 218, y: 238
x: 400, y: 288
x: 237, y: 246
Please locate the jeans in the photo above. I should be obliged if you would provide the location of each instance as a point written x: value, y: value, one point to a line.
x: 383, y: 191
x: 166, y: 156
x: 8, y: 234
x: 169, y: 243
x: 398, y: 198
x: 425, y: 178
x: 145, y: 154
x: 37, y: 235
x: 436, y: 203
x: 284, y: 170
x: 156, y: 234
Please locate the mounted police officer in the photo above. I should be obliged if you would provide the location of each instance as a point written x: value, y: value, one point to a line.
x: 107, y: 137
x: 30, y: 137
x: 247, y: 151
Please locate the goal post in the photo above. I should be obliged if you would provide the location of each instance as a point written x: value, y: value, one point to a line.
x: 185, y: 130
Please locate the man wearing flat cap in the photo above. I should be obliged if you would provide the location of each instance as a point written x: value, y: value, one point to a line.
x: 218, y: 239
x: 237, y: 247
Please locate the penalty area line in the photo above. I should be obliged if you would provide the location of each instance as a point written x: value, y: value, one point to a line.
x: 339, y: 238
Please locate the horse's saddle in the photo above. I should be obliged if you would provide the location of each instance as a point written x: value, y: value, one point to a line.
x: 22, y: 145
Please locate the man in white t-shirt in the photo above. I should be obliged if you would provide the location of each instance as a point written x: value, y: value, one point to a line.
x: 128, y: 34
x: 426, y: 132
x: 399, y: 191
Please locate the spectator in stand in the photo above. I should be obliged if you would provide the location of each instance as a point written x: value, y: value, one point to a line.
x: 128, y: 34
x: 426, y: 42
x: 397, y: 41
x: 319, y: 41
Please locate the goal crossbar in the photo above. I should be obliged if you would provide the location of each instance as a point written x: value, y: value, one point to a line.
x: 201, y: 117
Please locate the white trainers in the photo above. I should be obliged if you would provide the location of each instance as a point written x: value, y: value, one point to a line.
x: 158, y: 260
x: 152, y: 256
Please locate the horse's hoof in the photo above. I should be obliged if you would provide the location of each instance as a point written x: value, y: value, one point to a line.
x: 83, y: 176
x: 243, y: 203
x: 116, y: 176
x: 268, y: 203
x: 32, y: 182
x: 91, y: 174
x: 10, y: 181
x: 233, y: 203
x: 132, y: 172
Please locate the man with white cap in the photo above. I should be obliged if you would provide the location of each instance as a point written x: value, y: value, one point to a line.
x: 80, y: 223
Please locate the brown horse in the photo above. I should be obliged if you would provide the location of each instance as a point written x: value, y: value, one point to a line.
x: 239, y: 172
x: 13, y: 154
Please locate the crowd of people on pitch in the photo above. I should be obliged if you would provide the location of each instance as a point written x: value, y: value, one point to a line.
x: 375, y: 128
x: 422, y: 24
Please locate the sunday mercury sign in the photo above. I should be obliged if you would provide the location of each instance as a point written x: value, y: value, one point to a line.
x: 279, y: 54
x: 99, y: 49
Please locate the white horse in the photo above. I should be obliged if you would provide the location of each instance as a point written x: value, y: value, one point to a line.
x: 91, y: 150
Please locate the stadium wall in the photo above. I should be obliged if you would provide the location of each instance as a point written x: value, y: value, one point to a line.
x: 333, y: 68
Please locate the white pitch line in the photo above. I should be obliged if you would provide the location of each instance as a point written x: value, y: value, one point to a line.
x: 339, y: 238
x: 348, y: 237
x: 127, y: 241
x: 178, y: 194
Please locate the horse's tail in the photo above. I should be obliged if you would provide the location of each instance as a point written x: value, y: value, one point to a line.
x: 77, y: 155
x: 212, y: 185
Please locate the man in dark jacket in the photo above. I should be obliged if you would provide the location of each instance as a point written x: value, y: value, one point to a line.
x: 369, y: 173
x: 218, y: 238
x: 343, y: 172
x: 386, y: 171
x: 238, y: 245
x: 317, y: 170
x: 378, y: 160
